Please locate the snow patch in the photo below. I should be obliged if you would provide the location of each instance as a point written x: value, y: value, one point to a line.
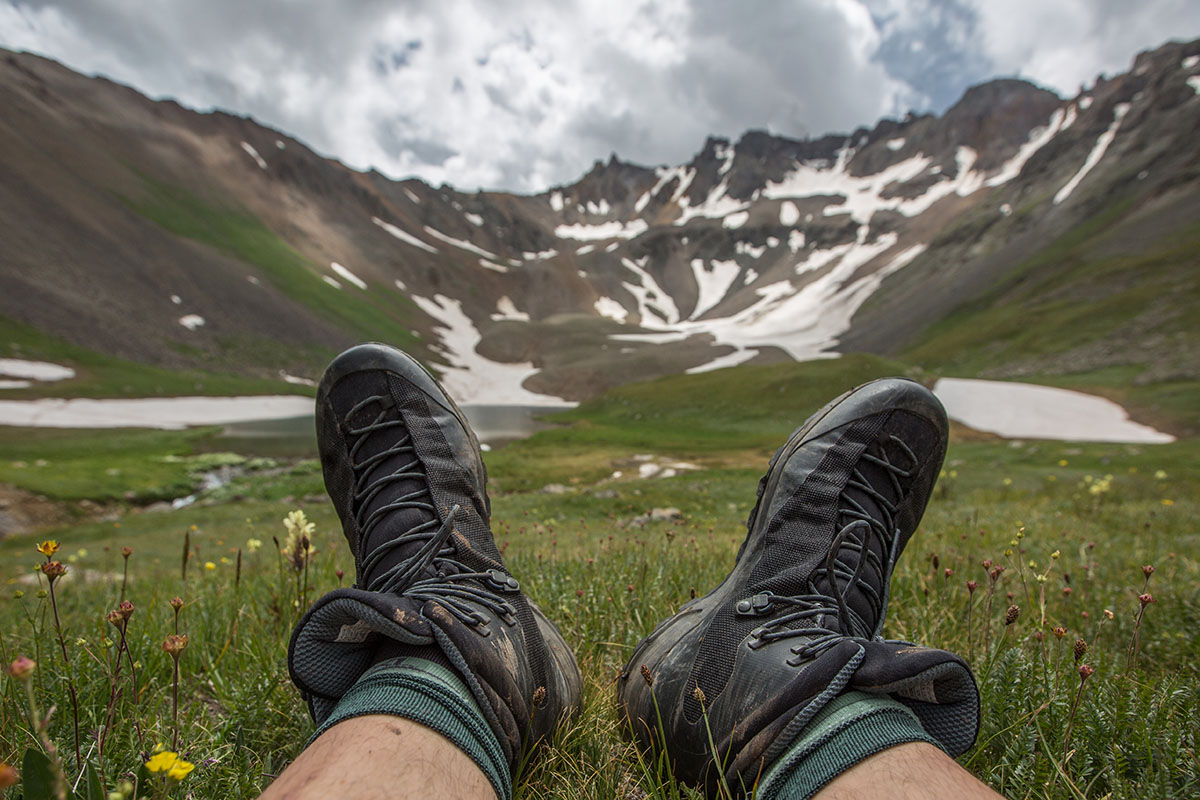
x: 492, y: 265
x: 541, y: 256
x: 654, y: 305
x: 331, y: 282
x: 254, y: 280
x: 1097, y: 153
x: 607, y: 307
x: 474, y: 219
x: 401, y: 285
x: 789, y: 214
x: 296, y: 380
x: 587, y: 248
x: 349, y: 276
x: 412, y: 195
x: 772, y: 242
x: 459, y: 243
x: 1194, y: 82
x: 751, y: 277
x: 612, y: 247
x: 34, y: 370
x: 249, y: 148
x: 727, y: 360
x: 556, y: 201
x: 651, y: 338
x: 749, y: 249
x: 6, y: 384
x: 1006, y: 210
x: 1190, y: 62
x: 736, y: 219
x: 403, y: 236
x: 176, y: 299
x: 164, y: 413
x: 471, y: 378
x: 1040, y: 412
x: 599, y: 209
x: 605, y: 230
x: 192, y: 321
x: 506, y: 310
x: 895, y: 144
x: 1085, y: 102
x: 280, y: 145
x: 796, y: 241
x: 712, y: 282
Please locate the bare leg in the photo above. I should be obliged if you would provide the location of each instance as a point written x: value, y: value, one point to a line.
x: 380, y: 757
x: 913, y: 771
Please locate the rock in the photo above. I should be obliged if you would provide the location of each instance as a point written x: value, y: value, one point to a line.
x: 671, y: 514
x: 554, y: 488
x: 606, y: 494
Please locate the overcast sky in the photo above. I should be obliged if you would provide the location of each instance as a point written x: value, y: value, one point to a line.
x: 525, y: 94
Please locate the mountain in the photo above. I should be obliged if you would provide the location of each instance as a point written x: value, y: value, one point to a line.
x: 1019, y: 233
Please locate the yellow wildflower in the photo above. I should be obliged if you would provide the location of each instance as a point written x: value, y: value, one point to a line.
x: 1062, y: 462
x: 1160, y: 474
x: 48, y: 548
x: 180, y: 770
x: 298, y: 548
x: 1168, y: 502
x: 162, y: 761
x: 1007, y: 481
x: 209, y: 565
x: 253, y: 544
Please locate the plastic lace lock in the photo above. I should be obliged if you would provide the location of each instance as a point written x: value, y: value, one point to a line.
x: 503, y: 582
x: 755, y: 606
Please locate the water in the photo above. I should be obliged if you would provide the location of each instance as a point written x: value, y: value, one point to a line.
x: 494, y: 425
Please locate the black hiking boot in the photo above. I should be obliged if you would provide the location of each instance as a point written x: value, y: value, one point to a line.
x: 797, y: 621
x: 404, y: 472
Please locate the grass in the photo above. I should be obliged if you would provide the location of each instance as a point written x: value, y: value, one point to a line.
x: 606, y: 582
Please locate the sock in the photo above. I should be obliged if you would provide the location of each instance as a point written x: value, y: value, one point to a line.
x: 852, y: 727
x: 431, y: 695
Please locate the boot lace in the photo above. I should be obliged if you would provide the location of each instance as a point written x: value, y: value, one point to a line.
x: 433, y: 571
x: 851, y: 565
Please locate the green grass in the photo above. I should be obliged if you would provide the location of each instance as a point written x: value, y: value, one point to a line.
x: 379, y: 313
x: 99, y: 375
x: 606, y: 583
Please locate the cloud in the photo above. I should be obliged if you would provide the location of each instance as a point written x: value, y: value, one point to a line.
x: 526, y: 94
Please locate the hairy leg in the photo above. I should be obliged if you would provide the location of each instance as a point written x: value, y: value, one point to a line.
x: 380, y: 757
x: 913, y: 771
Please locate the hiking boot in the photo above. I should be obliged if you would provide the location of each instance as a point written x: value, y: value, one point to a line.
x: 797, y: 621
x: 404, y: 472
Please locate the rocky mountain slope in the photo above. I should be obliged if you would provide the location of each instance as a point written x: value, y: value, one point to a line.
x: 145, y: 232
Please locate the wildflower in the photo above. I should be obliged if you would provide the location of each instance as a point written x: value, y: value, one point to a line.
x: 22, y: 668
x: 82, y: 552
x: 1055, y: 555
x: 80, y: 642
x: 126, y: 552
x: 1040, y: 578
x: 1145, y: 599
x: 698, y: 693
x: 175, y: 644
x: 48, y: 548
x: 1085, y: 672
x: 298, y: 547
x: 1160, y: 475
x: 971, y: 587
x: 252, y: 545
x: 115, y: 618
x: 176, y: 603
x: 1108, y: 614
x: 1066, y: 591
x: 947, y: 572
x: 1007, y: 481
x: 1166, y: 501
x: 1062, y: 462
x: 987, y: 563
x: 54, y: 570
x: 18, y: 594
x: 1059, y: 631
x: 125, y: 608
x: 647, y: 676
x: 1081, y: 648
x: 8, y: 775
x: 1011, y: 615
x: 539, y: 697
x: 995, y: 573
x: 166, y: 761
x: 1148, y: 570
x: 208, y: 565
x: 225, y: 560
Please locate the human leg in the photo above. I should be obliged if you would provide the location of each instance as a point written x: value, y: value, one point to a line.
x: 914, y: 771
x: 781, y: 669
x: 435, y: 630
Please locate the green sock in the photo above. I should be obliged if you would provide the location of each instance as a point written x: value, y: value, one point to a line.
x: 852, y: 727
x: 433, y: 696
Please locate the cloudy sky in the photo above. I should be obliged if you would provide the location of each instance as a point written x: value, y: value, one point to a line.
x: 525, y: 94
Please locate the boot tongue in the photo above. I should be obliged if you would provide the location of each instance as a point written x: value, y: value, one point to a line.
x: 378, y: 437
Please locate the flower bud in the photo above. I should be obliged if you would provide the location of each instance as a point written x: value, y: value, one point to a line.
x: 1108, y: 614
x: 971, y: 587
x: 21, y: 669
x: 1148, y: 570
x: 1059, y: 631
x: 175, y: 644
x: 126, y: 552
x: 177, y: 603
x: 115, y: 618
x: 647, y: 676
x: 1081, y: 648
x: 53, y: 570
x: 539, y: 697
x: 1145, y: 599
x: 1011, y: 615
x: 126, y: 609
x: 1085, y: 672
x: 698, y: 693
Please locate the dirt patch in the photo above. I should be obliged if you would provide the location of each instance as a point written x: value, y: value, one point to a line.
x: 26, y: 512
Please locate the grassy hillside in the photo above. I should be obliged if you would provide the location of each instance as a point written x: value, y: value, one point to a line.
x: 1108, y: 308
